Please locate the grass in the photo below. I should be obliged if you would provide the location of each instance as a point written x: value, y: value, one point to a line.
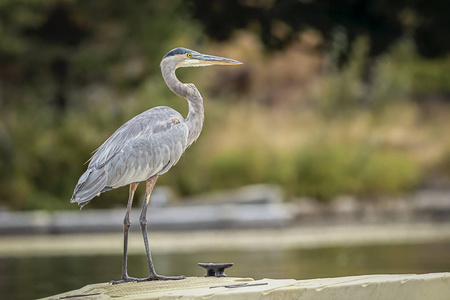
x: 306, y: 154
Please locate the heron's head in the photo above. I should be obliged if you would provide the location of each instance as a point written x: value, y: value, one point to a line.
x: 183, y: 57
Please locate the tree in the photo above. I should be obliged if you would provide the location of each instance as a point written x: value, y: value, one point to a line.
x: 383, y: 21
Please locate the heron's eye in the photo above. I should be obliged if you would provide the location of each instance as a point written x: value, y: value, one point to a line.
x: 189, y: 55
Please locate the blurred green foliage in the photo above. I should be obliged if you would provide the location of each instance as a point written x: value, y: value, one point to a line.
x: 317, y: 170
x: 65, y: 68
x: 331, y: 170
x: 72, y: 72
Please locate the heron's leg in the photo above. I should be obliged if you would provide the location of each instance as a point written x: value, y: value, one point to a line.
x: 126, y: 229
x: 150, y: 184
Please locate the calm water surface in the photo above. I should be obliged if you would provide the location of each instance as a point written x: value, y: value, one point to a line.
x: 34, y: 277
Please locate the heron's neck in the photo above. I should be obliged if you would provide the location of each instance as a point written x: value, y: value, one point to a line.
x: 196, y: 114
x: 195, y: 117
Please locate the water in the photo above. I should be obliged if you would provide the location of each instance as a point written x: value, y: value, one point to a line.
x: 34, y: 277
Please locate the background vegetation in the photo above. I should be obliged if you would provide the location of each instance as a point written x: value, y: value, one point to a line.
x: 347, y: 98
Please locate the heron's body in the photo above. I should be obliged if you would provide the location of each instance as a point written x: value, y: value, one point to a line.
x: 147, y: 146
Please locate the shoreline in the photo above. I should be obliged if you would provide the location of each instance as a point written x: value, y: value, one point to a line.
x: 294, y: 237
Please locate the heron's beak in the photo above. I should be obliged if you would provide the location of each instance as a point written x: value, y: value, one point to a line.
x: 203, y: 60
x: 217, y: 60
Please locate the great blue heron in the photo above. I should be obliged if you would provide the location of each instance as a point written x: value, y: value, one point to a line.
x: 147, y: 146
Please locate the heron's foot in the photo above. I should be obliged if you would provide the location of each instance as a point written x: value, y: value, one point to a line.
x: 159, y: 277
x: 126, y: 279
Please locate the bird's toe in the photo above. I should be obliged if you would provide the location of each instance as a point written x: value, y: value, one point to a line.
x: 126, y: 279
x: 160, y: 277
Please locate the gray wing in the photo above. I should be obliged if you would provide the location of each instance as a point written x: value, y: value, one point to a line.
x: 149, y: 144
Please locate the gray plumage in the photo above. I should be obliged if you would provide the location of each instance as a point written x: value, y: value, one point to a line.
x: 147, y: 146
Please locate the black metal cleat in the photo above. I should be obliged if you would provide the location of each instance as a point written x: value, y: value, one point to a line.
x: 216, y: 270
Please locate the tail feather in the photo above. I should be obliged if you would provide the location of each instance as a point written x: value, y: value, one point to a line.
x: 90, y: 184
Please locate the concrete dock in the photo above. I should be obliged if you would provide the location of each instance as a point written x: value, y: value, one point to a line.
x: 434, y: 286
